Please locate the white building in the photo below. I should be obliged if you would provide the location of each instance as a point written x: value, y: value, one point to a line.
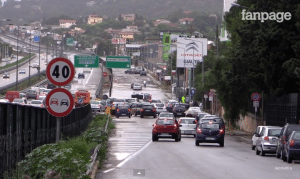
x: 66, y: 23
x: 226, y: 8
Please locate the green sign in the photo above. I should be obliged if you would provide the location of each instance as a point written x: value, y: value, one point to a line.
x: 166, y: 56
x: 118, y: 62
x: 70, y: 42
x: 167, y: 39
x: 86, y: 61
x: 166, y: 47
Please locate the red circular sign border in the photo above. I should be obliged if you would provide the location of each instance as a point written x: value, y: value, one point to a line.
x: 57, y: 60
x: 255, y: 94
x: 104, y: 74
x: 71, y: 106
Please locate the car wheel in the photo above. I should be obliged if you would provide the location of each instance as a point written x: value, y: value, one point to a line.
x: 176, y: 138
x: 277, y: 154
x: 289, y: 158
x: 253, y: 147
x: 262, y: 153
x: 154, y: 116
x: 154, y: 138
x: 257, y: 152
x: 117, y: 116
x: 196, y: 143
x: 194, y: 135
x: 135, y: 114
x: 222, y: 143
x: 283, y: 155
x: 142, y: 116
x: 129, y: 116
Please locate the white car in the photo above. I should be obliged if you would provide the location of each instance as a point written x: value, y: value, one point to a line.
x: 160, y: 107
x: 35, y: 64
x: 19, y: 101
x: 137, y: 86
x: 188, y: 126
x: 96, y: 105
x: 4, y: 101
x: 256, y: 135
x: 37, y: 103
x: 46, y: 91
x: 195, y: 109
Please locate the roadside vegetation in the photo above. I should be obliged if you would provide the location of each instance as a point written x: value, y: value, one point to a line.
x: 69, y: 158
x: 15, y: 63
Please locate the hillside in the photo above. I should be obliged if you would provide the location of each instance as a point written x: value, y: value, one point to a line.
x: 30, y: 10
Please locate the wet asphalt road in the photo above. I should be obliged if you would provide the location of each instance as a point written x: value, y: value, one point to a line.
x: 132, y: 154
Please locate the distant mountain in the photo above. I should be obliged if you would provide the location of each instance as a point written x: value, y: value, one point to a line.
x: 150, y: 9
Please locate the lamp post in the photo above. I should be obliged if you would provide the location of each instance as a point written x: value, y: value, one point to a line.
x: 29, y: 55
x: 17, y: 72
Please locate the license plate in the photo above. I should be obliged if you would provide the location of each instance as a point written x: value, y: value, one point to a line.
x: 187, y: 132
x: 179, y: 113
x: 210, y: 138
x: 147, y: 110
x: 165, y: 134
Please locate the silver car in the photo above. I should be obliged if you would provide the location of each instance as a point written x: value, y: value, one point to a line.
x: 137, y: 86
x: 267, y: 141
x: 37, y: 103
x: 96, y: 105
x: 188, y: 126
x: 160, y: 107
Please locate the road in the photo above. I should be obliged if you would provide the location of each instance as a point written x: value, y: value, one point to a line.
x: 132, y: 154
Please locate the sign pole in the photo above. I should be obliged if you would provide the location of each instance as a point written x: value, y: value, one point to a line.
x: 58, y: 119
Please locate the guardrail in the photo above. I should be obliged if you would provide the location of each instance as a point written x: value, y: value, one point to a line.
x: 15, y: 66
x: 3, y: 88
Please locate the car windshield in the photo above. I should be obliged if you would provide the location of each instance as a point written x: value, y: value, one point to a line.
x: 187, y: 121
x: 160, y: 105
x: 147, y: 107
x: 165, y: 122
x: 131, y: 100
x: 274, y: 132
x: 291, y: 129
x: 36, y: 102
x: 123, y: 107
x: 210, y: 126
x: 166, y: 115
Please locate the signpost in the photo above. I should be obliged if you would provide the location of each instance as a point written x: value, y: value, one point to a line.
x: 59, y: 102
x: 86, y: 61
x: 255, y: 97
x: 118, y: 62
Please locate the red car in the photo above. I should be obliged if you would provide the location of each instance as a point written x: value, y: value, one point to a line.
x: 166, y: 128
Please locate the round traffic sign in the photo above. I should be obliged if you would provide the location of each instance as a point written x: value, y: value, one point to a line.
x: 59, y: 102
x: 255, y: 97
x: 193, y: 91
x: 60, y: 71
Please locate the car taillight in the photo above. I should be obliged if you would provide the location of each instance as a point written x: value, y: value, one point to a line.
x: 284, y: 139
x: 292, y: 143
x: 42, y: 105
x: 175, y: 125
x: 179, y: 121
x: 210, y: 122
x: 118, y: 110
x: 129, y: 110
x: 99, y: 106
x: 221, y: 131
x: 199, y: 131
x: 142, y: 109
x: 23, y: 103
x: 266, y: 138
x: 196, y: 121
x: 171, y: 105
x: 153, y: 110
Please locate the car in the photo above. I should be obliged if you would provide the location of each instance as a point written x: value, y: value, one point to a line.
x: 167, y: 115
x: 188, y: 126
x: 4, y: 101
x: 22, y: 71
x: 191, y: 113
x: 201, y: 115
x: 67, y: 86
x: 6, y: 75
x: 64, y: 102
x: 285, y: 133
x: 131, y: 100
x: 166, y: 128
x: 81, y: 76
x: 186, y: 105
x: 22, y: 96
x: 35, y: 65
x: 137, y: 86
x: 179, y: 110
x: 216, y: 120
x: 42, y: 97
x: 51, y: 86
x: 155, y: 101
x: 131, y: 85
x: 136, y: 108
x: 170, y: 104
x: 96, y: 105
x: 19, y: 101
x: 209, y: 132
x: 105, y: 104
x: 195, y: 109
x: 256, y: 136
x: 45, y: 92
x: 148, y: 110
x: 160, y: 107
x: 31, y: 94
x: 129, y: 71
x: 143, y: 73
x: 123, y: 110
x: 267, y: 140
x: 292, y: 147
x: 37, y: 103
x: 54, y: 101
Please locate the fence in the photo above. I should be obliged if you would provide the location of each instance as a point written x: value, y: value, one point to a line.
x: 23, y: 128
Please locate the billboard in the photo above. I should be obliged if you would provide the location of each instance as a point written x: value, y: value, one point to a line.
x: 190, y: 50
x: 117, y: 41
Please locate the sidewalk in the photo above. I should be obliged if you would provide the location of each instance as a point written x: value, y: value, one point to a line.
x: 239, y: 134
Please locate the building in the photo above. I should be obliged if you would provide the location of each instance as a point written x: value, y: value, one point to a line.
x: 128, y: 17
x: 127, y: 35
x: 113, y: 32
x: 186, y: 20
x: 226, y: 7
x: 161, y: 21
x: 66, y: 23
x: 90, y: 3
x: 94, y: 19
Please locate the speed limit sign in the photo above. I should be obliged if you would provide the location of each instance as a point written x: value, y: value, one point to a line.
x: 60, y: 71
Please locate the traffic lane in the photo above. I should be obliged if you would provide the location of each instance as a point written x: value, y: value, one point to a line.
x: 12, y: 73
x: 169, y: 159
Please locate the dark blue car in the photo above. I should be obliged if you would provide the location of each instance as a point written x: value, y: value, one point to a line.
x: 292, y: 147
x: 210, y: 132
x: 123, y: 110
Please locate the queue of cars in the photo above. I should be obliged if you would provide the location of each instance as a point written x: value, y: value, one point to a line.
x: 282, y: 141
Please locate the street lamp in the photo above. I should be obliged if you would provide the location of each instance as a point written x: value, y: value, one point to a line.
x: 238, y: 5
x: 17, y: 72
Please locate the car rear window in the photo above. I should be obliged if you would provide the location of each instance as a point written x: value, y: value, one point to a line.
x: 94, y: 102
x: 165, y: 122
x: 160, y: 105
x: 296, y: 136
x: 207, y: 120
x: 291, y: 129
x: 274, y: 132
x: 123, y: 107
x: 148, y: 107
x: 36, y: 102
x: 188, y: 121
x: 210, y: 126
x: 219, y: 120
x: 131, y: 100
x: 166, y: 115
x: 119, y: 100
